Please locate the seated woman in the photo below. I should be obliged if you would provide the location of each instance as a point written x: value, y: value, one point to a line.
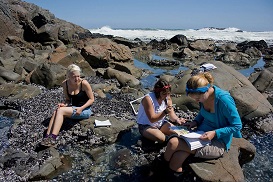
x: 78, y: 99
x: 152, y: 112
x: 218, y: 117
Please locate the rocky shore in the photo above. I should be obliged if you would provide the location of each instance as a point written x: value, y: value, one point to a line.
x: 36, y: 48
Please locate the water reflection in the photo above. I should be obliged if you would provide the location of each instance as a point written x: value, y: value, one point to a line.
x: 5, y: 124
x: 149, y: 80
x: 246, y: 72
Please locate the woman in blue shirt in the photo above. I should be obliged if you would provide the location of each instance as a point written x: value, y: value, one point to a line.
x: 218, y: 118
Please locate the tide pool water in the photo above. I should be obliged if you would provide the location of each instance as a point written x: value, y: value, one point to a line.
x: 5, y: 124
x: 149, y: 80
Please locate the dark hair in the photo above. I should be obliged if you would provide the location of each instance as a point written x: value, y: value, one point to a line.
x: 159, y: 86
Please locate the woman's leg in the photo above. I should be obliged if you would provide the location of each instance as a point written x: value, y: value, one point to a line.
x: 176, y: 152
x: 165, y: 128
x: 177, y: 160
x: 57, y: 118
x: 154, y: 134
x: 50, y: 123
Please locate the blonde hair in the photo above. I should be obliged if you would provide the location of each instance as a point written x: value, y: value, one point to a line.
x: 200, y: 80
x: 71, y: 68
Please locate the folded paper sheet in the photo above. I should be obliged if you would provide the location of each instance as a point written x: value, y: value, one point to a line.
x: 208, y: 66
x: 102, y: 123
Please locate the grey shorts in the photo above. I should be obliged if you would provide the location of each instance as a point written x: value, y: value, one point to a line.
x: 214, y: 150
x: 86, y: 113
x: 142, y: 127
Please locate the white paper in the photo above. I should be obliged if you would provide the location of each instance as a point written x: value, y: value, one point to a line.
x: 196, y: 134
x: 208, y: 66
x: 102, y: 123
x: 193, y: 140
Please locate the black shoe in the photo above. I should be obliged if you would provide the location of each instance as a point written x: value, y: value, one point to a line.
x: 174, y: 176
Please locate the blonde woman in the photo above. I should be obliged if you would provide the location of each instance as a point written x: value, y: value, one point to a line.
x: 78, y: 100
x: 218, y: 118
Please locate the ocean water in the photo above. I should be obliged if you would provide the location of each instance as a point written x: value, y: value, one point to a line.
x: 227, y: 34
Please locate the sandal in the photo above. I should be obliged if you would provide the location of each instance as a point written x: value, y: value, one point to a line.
x: 49, y: 142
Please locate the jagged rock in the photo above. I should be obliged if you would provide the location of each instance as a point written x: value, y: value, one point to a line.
x: 100, y: 52
x: 181, y: 40
x: 8, y: 75
x: 163, y: 62
x: 16, y: 91
x: 128, y: 68
x: 202, y: 45
x: 263, y: 80
x: 52, y: 161
x: 228, y: 167
x: 124, y: 78
x: 110, y: 133
x: 48, y: 75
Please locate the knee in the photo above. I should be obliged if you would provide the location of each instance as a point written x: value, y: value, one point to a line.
x: 173, y: 141
x: 60, y: 111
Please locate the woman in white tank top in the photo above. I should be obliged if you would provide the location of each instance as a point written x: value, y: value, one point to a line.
x: 152, y: 112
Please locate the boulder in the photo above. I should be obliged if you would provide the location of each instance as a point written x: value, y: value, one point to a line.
x: 124, y: 79
x: 66, y: 56
x: 234, y: 58
x: 53, y: 161
x: 16, y: 91
x: 128, y: 68
x: 203, y: 45
x: 8, y: 75
x: 49, y: 75
x: 180, y: 40
x: 228, y: 167
x: 100, y: 52
x: 34, y: 24
x: 33, y: 167
x: 109, y: 133
x: 249, y: 101
x: 263, y: 80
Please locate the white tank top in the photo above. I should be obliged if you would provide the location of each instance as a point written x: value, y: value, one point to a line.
x: 142, y: 117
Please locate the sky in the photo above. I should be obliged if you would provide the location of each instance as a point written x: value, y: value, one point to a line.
x: 247, y: 15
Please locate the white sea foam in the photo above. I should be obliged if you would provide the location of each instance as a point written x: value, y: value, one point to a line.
x: 227, y: 34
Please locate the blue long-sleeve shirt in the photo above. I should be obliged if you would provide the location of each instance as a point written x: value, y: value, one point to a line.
x: 225, y: 120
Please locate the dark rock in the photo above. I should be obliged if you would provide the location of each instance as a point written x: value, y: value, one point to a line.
x: 163, y: 62
x: 49, y: 75
x: 181, y: 40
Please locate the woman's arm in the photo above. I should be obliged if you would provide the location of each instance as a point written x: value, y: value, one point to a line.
x: 149, y: 110
x: 230, y: 112
x: 173, y: 117
x: 67, y: 99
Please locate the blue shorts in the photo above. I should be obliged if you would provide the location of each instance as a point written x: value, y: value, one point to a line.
x: 86, y: 113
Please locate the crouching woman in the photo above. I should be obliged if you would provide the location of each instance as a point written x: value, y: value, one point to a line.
x: 218, y: 118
